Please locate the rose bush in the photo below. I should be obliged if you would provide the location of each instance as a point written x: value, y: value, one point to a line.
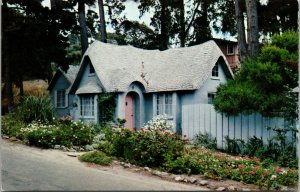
x: 150, y: 146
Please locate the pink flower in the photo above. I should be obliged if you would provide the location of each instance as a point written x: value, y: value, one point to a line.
x: 251, y: 173
x: 241, y: 166
x: 213, y: 176
x: 277, y: 170
x: 256, y: 168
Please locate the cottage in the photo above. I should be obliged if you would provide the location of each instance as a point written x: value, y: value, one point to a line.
x: 147, y: 82
x: 59, y: 88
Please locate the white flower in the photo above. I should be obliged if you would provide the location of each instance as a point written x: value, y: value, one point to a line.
x: 273, y: 177
x: 283, y: 172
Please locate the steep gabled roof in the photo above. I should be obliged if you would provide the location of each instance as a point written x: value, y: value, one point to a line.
x: 70, y: 75
x: 174, y: 69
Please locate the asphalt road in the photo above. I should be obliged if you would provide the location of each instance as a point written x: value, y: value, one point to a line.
x: 33, y: 169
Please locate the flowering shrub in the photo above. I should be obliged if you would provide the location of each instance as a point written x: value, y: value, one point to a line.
x: 40, y: 135
x: 218, y: 166
x: 147, y: 148
x: 159, y: 122
x: 151, y: 146
x: 66, y: 132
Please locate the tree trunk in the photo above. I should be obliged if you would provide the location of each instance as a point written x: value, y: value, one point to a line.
x: 252, y: 20
x: 83, y: 26
x: 163, y: 26
x: 298, y: 95
x: 182, y: 35
x: 53, y: 4
x: 102, y: 22
x: 9, y: 88
x: 21, y: 86
x: 5, y: 61
x: 241, y: 31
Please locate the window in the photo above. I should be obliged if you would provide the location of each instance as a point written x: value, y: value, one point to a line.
x: 230, y: 49
x: 211, y: 97
x: 92, y: 69
x: 87, y: 105
x: 164, y: 104
x: 60, y: 98
x: 215, y: 71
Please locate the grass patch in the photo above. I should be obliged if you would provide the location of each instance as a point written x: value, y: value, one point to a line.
x: 96, y: 157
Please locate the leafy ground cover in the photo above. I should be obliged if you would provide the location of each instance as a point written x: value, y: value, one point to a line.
x: 96, y: 157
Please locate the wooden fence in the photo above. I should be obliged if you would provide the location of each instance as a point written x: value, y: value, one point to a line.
x: 202, y: 118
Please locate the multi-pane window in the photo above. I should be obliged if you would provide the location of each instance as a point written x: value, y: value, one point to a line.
x: 215, y: 71
x: 211, y: 97
x: 87, y: 105
x: 230, y: 49
x: 168, y: 104
x: 160, y: 104
x: 164, y: 104
x: 61, y: 98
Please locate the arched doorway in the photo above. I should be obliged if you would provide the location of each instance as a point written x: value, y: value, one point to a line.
x: 132, y: 110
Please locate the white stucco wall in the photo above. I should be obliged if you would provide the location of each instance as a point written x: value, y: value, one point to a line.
x: 61, y: 83
x: 140, y: 106
x: 86, y: 77
x: 200, y: 95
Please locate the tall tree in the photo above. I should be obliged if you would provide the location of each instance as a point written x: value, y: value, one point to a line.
x: 162, y: 19
x: 252, y: 21
x: 277, y: 16
x: 24, y: 22
x: 201, y: 22
x: 102, y: 21
x: 240, y: 30
x: 83, y: 26
x: 137, y: 34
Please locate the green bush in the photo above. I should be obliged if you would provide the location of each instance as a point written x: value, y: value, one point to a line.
x: 122, y: 144
x: 278, y: 150
x: 10, y: 126
x: 96, y: 157
x: 254, y: 147
x: 105, y: 147
x: 234, y: 146
x: 35, y: 108
x: 205, y: 140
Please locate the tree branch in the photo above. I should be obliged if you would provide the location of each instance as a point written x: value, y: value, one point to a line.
x: 193, y: 18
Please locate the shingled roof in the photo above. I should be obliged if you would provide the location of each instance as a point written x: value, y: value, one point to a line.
x: 174, y: 69
x: 70, y: 75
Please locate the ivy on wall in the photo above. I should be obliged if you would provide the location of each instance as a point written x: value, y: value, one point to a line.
x: 107, y: 104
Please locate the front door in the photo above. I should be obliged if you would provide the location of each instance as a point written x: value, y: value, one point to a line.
x: 129, y: 111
